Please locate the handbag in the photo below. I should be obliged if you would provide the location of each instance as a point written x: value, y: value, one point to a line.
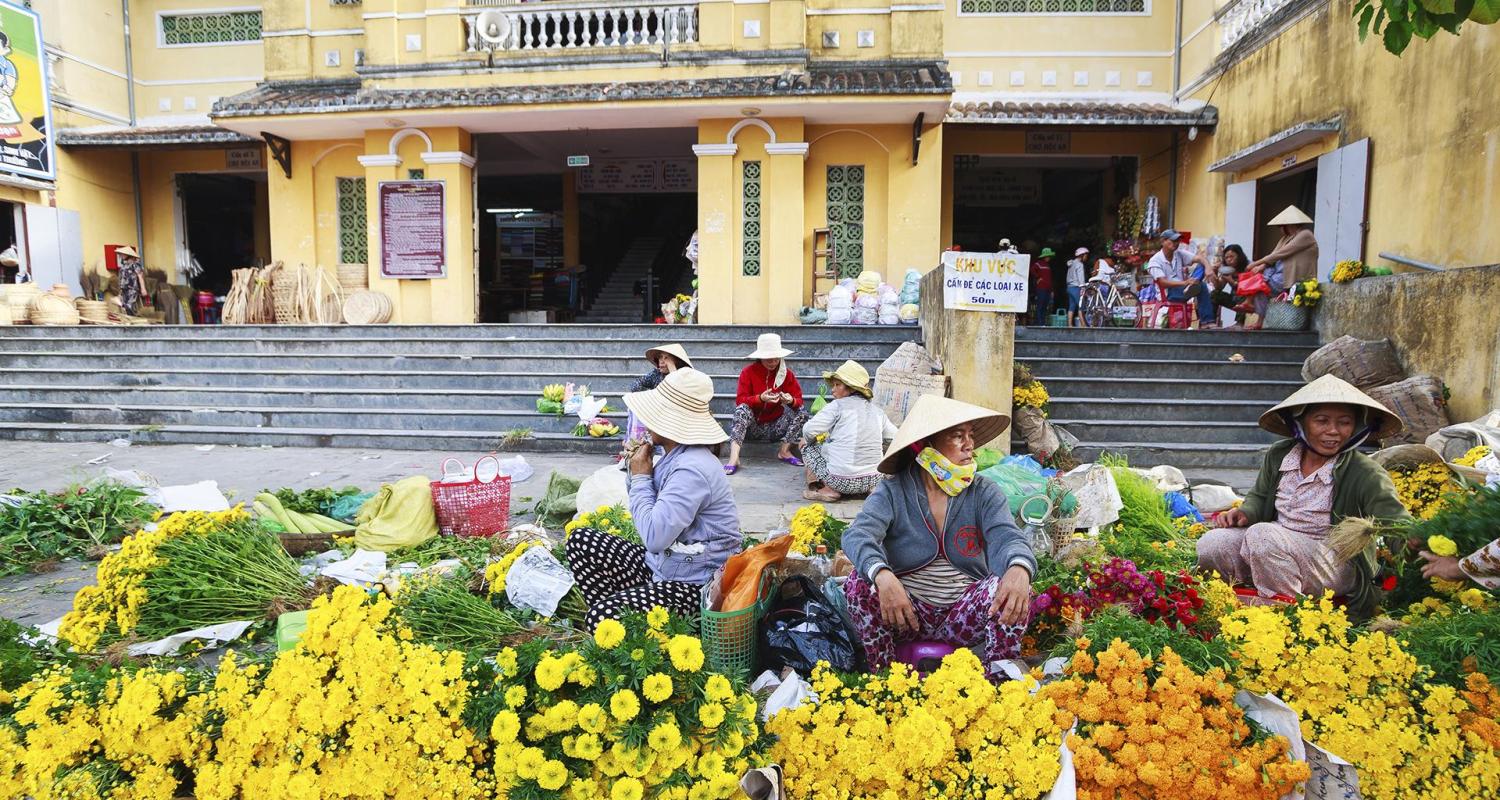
x: 468, y: 506
x: 1163, y: 314
x: 1281, y: 315
x: 1252, y: 283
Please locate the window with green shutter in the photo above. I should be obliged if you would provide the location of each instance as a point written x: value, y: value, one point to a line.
x: 846, y: 218
x: 353, y: 238
x: 750, y: 215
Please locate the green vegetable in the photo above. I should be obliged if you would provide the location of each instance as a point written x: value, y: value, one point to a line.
x: 76, y: 522
x: 442, y: 612
x: 20, y: 660
x: 1446, y: 643
x: 1148, y: 638
x: 1145, y: 532
x: 278, y: 513
x: 312, y: 501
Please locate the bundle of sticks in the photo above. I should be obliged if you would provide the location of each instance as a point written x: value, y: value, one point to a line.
x: 249, y: 301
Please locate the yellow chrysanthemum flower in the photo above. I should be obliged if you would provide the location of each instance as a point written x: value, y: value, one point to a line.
x: 657, y: 687
x: 609, y: 634
x: 624, y: 705
x: 1442, y: 545
x: 686, y: 653
x: 658, y: 618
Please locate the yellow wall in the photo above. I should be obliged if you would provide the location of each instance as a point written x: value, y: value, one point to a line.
x: 1430, y: 115
x: 96, y: 183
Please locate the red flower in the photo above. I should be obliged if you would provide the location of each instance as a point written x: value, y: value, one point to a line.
x: 1388, y: 583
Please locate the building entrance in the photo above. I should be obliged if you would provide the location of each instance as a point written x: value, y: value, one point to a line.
x: 224, y: 224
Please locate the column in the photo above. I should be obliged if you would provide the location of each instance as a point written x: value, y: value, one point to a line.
x: 716, y: 235
x: 455, y: 298
x: 977, y: 350
x: 785, y: 262
x: 380, y: 167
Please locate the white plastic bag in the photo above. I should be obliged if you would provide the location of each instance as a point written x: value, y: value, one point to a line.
x: 212, y: 635
x: 608, y: 486
x: 865, y: 316
x: 791, y: 693
x: 1099, y: 502
x: 839, y: 297
x: 537, y: 581
x: 516, y: 469
x: 361, y: 569
x: 840, y: 316
x: 1211, y: 498
x: 1276, y: 717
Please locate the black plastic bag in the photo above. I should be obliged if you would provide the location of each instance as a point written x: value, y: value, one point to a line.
x: 802, y: 628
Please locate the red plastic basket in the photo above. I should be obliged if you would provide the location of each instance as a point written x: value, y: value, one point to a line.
x: 472, y: 508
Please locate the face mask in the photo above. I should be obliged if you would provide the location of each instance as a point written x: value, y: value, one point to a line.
x: 950, y: 477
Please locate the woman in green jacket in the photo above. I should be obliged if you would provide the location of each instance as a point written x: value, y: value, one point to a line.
x: 1277, y: 540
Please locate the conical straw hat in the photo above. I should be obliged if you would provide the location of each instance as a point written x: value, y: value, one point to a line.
x: 678, y: 408
x: 1292, y: 215
x: 1330, y: 389
x: 931, y: 415
x: 674, y: 350
x: 853, y: 376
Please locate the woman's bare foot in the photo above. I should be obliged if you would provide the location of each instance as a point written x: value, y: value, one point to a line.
x: 824, y: 495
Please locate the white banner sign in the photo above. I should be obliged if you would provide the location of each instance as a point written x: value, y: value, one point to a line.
x: 985, y: 281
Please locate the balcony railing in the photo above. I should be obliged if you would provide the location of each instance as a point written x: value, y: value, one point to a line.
x: 1245, y: 16
x: 583, y: 25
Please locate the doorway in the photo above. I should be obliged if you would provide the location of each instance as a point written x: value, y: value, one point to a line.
x: 9, y: 214
x: 1294, y: 187
x: 223, y: 224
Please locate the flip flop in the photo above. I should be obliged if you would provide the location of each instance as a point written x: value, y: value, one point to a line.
x: 730, y: 469
x: 793, y: 460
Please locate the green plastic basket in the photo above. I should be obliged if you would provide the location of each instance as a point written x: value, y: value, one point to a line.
x: 729, y: 636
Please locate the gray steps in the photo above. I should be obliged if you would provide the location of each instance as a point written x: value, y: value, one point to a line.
x: 1154, y: 396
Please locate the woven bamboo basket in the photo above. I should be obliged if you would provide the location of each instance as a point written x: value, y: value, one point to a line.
x: 4, y: 313
x: 353, y: 276
x: 368, y: 308
x: 18, y: 297
x: 49, y: 309
x: 95, y: 312
x: 284, y: 299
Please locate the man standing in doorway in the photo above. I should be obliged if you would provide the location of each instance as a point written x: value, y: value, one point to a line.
x: 1170, y: 269
x: 1041, y: 275
x: 1078, y: 274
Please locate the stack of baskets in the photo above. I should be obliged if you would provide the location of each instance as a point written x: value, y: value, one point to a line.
x: 50, y: 309
x: 353, y: 277
x: 368, y: 308
x: 94, y: 312
x: 18, y: 299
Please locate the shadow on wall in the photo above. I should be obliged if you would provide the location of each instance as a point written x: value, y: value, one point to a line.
x: 1442, y: 324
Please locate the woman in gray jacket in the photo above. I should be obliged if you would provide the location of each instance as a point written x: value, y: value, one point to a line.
x: 937, y: 555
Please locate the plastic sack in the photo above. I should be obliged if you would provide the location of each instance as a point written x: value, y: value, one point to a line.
x: 840, y: 297
x: 346, y: 508
x: 1455, y: 440
x: 400, y: 515
x: 538, y: 581
x: 1211, y: 498
x: 607, y: 486
x: 1021, y: 485
x: 802, y: 629
x: 888, y: 319
x: 1098, y: 497
x: 863, y: 300
x: 865, y: 316
x: 1179, y: 506
x: 516, y: 469
x: 1024, y: 462
x: 986, y: 457
x: 820, y: 402
x: 840, y: 316
x: 889, y: 296
x: 812, y: 316
x: 911, y: 288
x: 908, y: 312
x: 545, y: 406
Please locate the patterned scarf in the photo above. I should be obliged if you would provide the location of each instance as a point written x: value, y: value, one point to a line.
x: 950, y: 477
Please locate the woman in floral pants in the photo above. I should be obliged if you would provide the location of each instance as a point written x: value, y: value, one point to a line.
x: 937, y: 555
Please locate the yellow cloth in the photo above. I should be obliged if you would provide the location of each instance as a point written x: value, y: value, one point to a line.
x: 868, y: 281
x: 399, y: 515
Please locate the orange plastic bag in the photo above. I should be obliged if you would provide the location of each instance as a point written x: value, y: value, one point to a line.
x: 743, y: 570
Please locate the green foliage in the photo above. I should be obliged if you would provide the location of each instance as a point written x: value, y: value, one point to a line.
x: 1148, y: 638
x: 474, y: 552
x: 20, y: 660
x: 1145, y: 532
x: 312, y: 501
x: 1471, y: 520
x: 441, y: 611
x: 1397, y: 21
x: 1445, y: 643
x: 78, y: 521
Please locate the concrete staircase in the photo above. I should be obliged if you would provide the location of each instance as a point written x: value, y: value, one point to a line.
x: 1166, y: 397
x: 616, y: 302
x: 1155, y: 396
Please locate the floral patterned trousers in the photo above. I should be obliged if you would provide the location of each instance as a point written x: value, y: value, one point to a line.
x: 966, y: 622
x: 785, y: 428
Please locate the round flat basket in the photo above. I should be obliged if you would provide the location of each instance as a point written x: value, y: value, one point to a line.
x: 367, y: 308
x: 353, y: 276
x: 93, y: 311
x: 49, y: 309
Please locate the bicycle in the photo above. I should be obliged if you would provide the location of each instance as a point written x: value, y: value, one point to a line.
x: 1098, y: 301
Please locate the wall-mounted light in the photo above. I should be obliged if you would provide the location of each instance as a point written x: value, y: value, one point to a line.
x: 1193, y: 133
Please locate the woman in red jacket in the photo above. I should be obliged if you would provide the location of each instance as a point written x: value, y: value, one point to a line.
x: 768, y: 403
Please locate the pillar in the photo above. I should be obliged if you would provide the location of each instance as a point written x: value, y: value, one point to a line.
x: 291, y: 208
x: 717, y: 193
x: 976, y: 348
x: 784, y: 262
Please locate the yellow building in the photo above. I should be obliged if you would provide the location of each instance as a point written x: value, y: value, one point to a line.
x: 485, y: 158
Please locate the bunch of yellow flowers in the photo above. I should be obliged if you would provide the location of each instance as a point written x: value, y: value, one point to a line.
x: 97, y: 735
x: 1307, y: 294
x: 807, y: 528
x: 1164, y: 731
x: 1423, y: 488
x: 495, y: 573
x: 111, y: 608
x: 952, y: 735
x: 1346, y: 271
x: 1473, y: 456
x: 628, y: 714
x: 354, y: 710
x: 1030, y: 395
x: 1364, y: 699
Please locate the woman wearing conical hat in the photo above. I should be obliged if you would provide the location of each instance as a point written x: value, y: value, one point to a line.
x: 937, y: 555
x: 1295, y: 257
x: 681, y: 504
x: 843, y: 442
x: 664, y: 359
x: 1277, y: 541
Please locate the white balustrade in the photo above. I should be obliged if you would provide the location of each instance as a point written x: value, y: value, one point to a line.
x: 583, y: 25
x: 1245, y: 16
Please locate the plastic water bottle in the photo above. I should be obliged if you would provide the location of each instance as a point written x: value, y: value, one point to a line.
x: 822, y: 561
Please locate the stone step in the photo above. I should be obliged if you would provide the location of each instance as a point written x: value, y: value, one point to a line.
x: 360, y: 397
x: 291, y: 437
x: 544, y: 348
x: 558, y: 367
x: 1177, y: 431
x: 1185, y: 456
x: 1094, y: 408
x: 1180, y: 388
x: 646, y: 334
x: 1163, y: 353
x: 1046, y: 368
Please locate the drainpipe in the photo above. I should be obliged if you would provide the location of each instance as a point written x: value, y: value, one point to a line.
x: 135, y: 155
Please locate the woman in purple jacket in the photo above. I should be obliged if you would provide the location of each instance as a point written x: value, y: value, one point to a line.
x: 937, y: 555
x: 681, y: 504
